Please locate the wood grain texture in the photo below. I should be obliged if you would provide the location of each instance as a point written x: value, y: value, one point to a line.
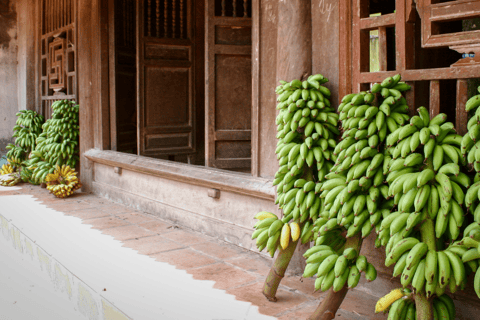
x: 434, y: 98
x: 86, y: 97
x: 461, y: 117
x: 294, y: 40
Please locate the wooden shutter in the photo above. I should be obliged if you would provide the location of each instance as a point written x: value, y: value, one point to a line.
x: 228, y: 84
x: 165, y: 78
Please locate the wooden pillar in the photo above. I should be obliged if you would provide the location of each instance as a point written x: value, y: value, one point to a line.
x: 92, y: 35
x: 294, y: 40
x: 294, y: 61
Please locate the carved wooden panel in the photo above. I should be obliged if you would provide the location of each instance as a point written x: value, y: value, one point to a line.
x: 229, y: 84
x: 165, y: 79
x: 57, y: 46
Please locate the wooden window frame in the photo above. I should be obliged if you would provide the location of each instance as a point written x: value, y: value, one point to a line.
x: 102, y: 143
x: 353, y: 68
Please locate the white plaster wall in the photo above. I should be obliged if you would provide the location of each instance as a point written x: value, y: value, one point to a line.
x: 8, y: 72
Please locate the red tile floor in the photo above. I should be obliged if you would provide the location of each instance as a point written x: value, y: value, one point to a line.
x: 238, y: 271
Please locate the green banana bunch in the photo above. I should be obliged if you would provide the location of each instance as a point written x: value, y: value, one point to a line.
x: 58, y: 143
x: 355, y: 193
x: 403, y: 307
x: 26, y: 130
x: 334, y: 265
x: 426, y: 182
x: 306, y: 133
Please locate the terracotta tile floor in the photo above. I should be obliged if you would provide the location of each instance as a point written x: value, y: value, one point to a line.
x: 236, y: 270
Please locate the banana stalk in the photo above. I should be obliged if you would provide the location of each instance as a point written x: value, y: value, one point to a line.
x: 327, y: 309
x: 277, y: 272
x: 423, y: 305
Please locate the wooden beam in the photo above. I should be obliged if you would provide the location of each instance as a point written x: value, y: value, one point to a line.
x: 372, y: 23
x: 457, y: 10
x: 410, y: 97
x: 86, y: 89
x: 434, y: 98
x: 256, y: 88
x: 112, y: 71
x: 345, y: 49
x: 382, y: 48
x: 424, y: 74
x: 461, y: 117
x: 400, y: 45
x: 101, y: 76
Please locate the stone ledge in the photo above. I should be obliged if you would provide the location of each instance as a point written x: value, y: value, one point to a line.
x: 197, y: 175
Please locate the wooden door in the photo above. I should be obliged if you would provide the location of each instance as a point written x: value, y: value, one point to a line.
x: 228, y: 74
x: 165, y: 78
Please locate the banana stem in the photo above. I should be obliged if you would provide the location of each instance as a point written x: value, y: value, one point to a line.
x: 327, y: 309
x: 424, y: 306
x: 329, y: 306
x: 427, y: 231
x: 277, y: 272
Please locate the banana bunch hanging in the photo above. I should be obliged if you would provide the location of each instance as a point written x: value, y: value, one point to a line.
x: 354, y: 192
x: 425, y: 183
x: 307, y: 132
x: 63, y: 181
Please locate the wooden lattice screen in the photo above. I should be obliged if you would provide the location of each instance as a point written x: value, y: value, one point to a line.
x: 233, y: 8
x: 423, y: 40
x: 57, y: 46
x: 166, y: 19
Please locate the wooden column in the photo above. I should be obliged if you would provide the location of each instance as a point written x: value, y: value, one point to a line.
x: 92, y: 82
x: 294, y: 61
x: 294, y: 40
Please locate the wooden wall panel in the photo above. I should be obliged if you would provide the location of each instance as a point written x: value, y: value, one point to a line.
x: 167, y: 96
x: 233, y: 92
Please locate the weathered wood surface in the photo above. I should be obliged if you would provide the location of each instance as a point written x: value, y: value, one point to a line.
x: 194, y: 175
x: 266, y: 82
x: 325, y: 60
x: 294, y: 61
x: 87, y: 97
x: 294, y: 40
